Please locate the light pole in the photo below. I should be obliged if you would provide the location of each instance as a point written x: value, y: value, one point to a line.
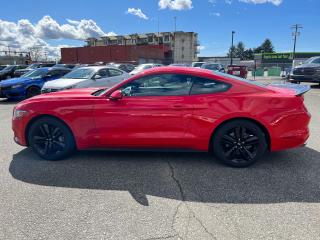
x: 231, y: 53
x: 295, y: 34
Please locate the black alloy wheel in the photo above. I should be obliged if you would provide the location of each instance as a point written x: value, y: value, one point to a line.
x: 51, y: 139
x: 239, y: 143
x: 33, y: 91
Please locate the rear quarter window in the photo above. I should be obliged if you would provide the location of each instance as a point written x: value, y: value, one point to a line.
x: 206, y: 86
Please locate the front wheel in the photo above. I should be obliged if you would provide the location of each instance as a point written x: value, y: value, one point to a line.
x: 239, y: 143
x: 51, y: 139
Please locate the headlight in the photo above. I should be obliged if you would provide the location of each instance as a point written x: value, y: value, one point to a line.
x: 16, y: 86
x: 18, y: 114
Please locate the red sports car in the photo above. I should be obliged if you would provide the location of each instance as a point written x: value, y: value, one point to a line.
x: 168, y: 108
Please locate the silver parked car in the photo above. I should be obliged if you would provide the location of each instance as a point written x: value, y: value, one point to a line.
x: 84, y: 77
x: 143, y: 67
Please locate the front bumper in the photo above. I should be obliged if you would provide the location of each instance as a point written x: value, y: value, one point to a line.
x: 13, y: 93
x: 305, y: 78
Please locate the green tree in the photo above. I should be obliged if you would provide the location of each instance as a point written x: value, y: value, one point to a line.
x: 239, y: 50
x: 266, y: 47
x: 248, y: 54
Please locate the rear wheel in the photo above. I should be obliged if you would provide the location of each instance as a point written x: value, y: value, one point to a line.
x: 33, y: 91
x: 51, y: 139
x: 239, y: 143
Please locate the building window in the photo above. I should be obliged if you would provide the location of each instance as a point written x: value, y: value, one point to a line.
x: 150, y: 39
x: 182, y: 48
x: 182, y: 56
x: 166, y: 38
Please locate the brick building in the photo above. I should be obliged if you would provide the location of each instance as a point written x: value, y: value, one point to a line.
x: 164, y: 47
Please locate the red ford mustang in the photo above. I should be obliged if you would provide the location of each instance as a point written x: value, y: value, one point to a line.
x: 168, y: 108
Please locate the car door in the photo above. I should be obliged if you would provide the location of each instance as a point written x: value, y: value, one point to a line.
x: 153, y: 113
x: 98, y: 80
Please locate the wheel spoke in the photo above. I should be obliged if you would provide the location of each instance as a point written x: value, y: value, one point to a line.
x: 230, y: 152
x: 56, y: 132
x: 246, y: 154
x: 39, y: 139
x: 60, y: 145
x: 46, y: 128
x: 251, y: 140
x: 42, y: 130
x: 237, y: 133
x: 228, y: 139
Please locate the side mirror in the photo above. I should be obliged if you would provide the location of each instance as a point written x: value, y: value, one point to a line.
x: 97, y: 76
x: 116, y: 95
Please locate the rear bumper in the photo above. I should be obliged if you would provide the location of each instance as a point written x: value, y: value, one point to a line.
x: 291, y: 131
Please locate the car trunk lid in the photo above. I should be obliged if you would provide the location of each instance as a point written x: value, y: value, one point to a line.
x: 295, y: 89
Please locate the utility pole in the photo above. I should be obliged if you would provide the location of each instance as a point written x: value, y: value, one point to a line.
x: 295, y: 34
x: 231, y: 53
x: 175, y: 24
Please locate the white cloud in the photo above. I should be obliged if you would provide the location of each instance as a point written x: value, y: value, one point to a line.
x: 137, y: 12
x: 201, y: 48
x: 216, y: 14
x: 23, y: 35
x: 274, y: 2
x: 175, y: 4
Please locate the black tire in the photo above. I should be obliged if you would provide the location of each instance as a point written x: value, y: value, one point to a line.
x: 32, y: 91
x: 51, y: 139
x: 239, y: 143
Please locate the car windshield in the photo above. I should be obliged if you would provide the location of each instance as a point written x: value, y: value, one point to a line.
x: 32, y: 66
x: 253, y: 82
x: 197, y: 64
x: 142, y: 67
x: 211, y: 66
x: 8, y: 68
x: 313, y: 60
x: 80, y: 73
x: 36, y: 73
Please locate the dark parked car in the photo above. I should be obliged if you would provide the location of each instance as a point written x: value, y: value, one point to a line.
x: 70, y: 66
x: 213, y: 66
x: 33, y: 66
x: 307, y: 72
x: 237, y: 70
x: 2, y: 67
x: 123, y: 66
x: 8, y: 72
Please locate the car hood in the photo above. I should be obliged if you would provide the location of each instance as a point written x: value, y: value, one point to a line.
x: 14, y: 81
x: 62, y: 83
x: 72, y: 93
x: 4, y: 72
x: 308, y: 65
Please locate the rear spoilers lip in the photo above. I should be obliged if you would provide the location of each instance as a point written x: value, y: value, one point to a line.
x: 299, y: 89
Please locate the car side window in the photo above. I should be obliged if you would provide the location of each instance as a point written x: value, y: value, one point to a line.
x: 55, y: 73
x: 114, y: 72
x: 206, y: 86
x: 103, y: 73
x: 159, y: 85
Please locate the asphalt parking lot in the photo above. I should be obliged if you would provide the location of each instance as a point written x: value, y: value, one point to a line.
x: 121, y: 195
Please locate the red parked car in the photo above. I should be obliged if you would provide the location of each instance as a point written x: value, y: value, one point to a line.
x: 167, y: 108
x: 239, y: 71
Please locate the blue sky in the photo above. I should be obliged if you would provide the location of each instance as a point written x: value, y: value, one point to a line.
x: 253, y: 20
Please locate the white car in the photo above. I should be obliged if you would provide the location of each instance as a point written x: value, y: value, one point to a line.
x: 143, y: 67
x: 84, y: 77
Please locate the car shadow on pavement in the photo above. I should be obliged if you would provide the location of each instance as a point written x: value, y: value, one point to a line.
x: 289, y: 176
x: 8, y: 101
